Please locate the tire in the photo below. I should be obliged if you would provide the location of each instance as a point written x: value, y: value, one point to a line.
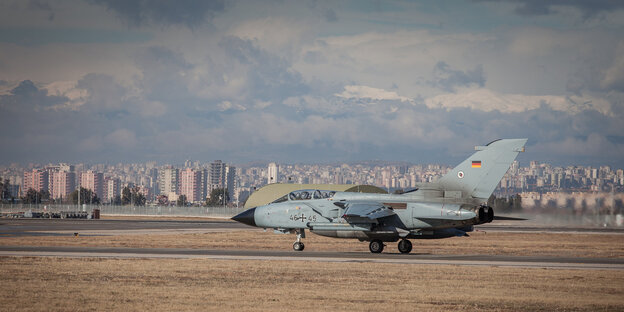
x: 376, y: 246
x: 298, y: 246
x: 405, y: 246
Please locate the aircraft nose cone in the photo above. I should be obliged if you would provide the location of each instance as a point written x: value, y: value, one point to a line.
x: 246, y: 217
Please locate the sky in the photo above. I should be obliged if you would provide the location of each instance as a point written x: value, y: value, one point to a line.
x: 107, y: 81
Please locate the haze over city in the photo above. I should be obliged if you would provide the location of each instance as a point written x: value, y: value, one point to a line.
x: 310, y: 81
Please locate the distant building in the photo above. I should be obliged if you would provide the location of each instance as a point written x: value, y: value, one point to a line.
x: 190, y: 185
x: 217, y: 175
x: 112, y: 189
x: 230, y: 181
x: 35, y: 179
x: 61, y: 180
x: 168, y: 181
x: 221, y: 175
x: 272, y: 173
x: 93, y: 181
x: 62, y: 183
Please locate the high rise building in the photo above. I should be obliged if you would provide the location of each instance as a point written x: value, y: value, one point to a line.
x: 62, y: 180
x: 230, y: 181
x: 272, y: 173
x: 93, y: 181
x: 62, y: 183
x: 112, y: 189
x: 35, y: 179
x: 168, y: 181
x: 221, y: 176
x: 190, y: 184
x: 217, y: 175
x: 204, y: 174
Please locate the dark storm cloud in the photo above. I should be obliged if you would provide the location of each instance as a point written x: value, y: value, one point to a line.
x: 588, y: 8
x: 330, y: 15
x: 39, y: 5
x: 165, y: 74
x: 448, y: 79
x: 189, y: 13
x: 27, y: 97
x: 269, y: 76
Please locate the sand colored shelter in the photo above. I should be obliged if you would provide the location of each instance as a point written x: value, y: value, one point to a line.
x: 271, y: 192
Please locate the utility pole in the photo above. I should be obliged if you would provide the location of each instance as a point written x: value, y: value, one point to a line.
x: 79, y: 191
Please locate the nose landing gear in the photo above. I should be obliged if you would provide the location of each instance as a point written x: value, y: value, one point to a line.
x: 298, y: 245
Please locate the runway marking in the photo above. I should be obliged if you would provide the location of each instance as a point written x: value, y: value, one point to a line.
x: 130, y: 255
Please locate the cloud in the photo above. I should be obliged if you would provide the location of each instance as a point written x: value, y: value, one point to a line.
x: 330, y: 15
x: 268, y: 76
x: 587, y: 8
x: 304, y: 82
x: 188, y: 13
x: 27, y: 97
x: 614, y: 75
x: 488, y: 100
x: 449, y: 79
x: 122, y: 138
x: 365, y: 92
x: 166, y: 74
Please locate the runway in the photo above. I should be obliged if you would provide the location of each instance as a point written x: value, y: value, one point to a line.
x: 67, y: 227
x: 38, y: 227
x: 55, y: 227
x: 423, y: 259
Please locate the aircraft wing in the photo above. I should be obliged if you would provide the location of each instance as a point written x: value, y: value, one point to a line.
x: 366, y: 211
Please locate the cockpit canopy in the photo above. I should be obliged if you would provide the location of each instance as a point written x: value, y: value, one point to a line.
x: 305, y: 195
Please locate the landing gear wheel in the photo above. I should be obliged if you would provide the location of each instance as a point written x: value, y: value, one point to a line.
x: 376, y: 246
x: 405, y: 246
x: 298, y: 246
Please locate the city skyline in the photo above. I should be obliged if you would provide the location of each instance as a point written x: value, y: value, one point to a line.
x: 195, y: 179
x: 310, y: 81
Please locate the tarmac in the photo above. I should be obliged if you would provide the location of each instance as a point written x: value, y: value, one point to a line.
x: 38, y: 227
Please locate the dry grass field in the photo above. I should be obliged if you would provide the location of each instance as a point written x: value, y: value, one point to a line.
x: 104, y: 284
x: 95, y: 284
x: 490, y: 243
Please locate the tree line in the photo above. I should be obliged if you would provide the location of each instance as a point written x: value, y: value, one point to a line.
x: 129, y: 196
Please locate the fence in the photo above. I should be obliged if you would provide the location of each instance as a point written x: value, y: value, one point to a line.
x: 214, y: 212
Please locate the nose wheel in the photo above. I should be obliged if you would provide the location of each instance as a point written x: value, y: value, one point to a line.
x: 405, y: 246
x: 298, y: 245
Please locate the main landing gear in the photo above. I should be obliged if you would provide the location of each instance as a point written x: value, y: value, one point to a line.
x: 405, y: 246
x: 298, y: 245
x: 377, y: 246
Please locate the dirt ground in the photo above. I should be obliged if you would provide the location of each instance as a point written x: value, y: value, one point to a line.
x: 96, y: 284
x: 490, y: 243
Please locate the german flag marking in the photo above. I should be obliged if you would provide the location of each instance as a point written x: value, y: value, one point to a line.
x: 476, y: 164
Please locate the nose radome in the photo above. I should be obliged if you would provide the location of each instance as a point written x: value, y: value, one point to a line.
x: 246, y: 217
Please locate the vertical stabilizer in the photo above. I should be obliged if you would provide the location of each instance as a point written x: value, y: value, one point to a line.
x: 478, y: 175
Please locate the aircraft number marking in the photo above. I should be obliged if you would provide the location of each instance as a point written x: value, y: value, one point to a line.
x: 302, y: 217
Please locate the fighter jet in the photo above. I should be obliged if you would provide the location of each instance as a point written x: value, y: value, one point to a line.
x: 446, y: 208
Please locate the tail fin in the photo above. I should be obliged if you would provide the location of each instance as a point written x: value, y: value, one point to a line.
x: 478, y: 175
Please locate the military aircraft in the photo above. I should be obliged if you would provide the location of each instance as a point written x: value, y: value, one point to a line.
x: 446, y: 208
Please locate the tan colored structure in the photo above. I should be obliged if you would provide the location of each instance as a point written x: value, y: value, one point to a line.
x: 271, y: 192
